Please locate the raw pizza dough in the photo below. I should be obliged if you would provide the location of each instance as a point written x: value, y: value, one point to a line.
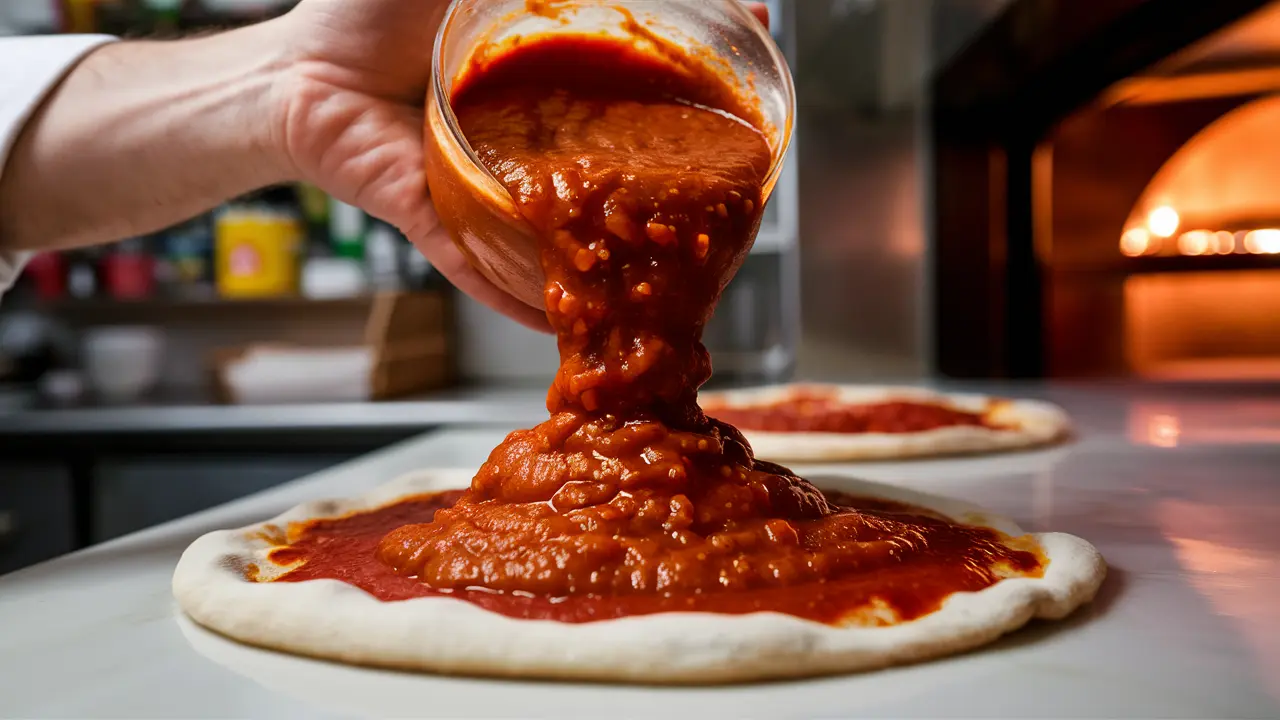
x: 333, y: 620
x: 1032, y: 423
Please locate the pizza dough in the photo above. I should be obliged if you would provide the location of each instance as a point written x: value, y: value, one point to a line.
x: 333, y: 620
x: 1029, y: 423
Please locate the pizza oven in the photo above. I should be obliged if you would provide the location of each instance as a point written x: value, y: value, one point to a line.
x: 1107, y: 193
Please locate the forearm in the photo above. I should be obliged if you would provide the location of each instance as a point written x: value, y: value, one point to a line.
x: 142, y: 135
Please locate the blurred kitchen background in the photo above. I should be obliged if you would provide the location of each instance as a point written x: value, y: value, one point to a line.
x: 980, y: 189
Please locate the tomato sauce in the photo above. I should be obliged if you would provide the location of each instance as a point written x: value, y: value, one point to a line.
x: 825, y: 413
x: 642, y: 173
x: 911, y: 560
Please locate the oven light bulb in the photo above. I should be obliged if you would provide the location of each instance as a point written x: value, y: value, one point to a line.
x: 1195, y: 242
x: 1135, y: 242
x: 1263, y: 242
x: 1226, y: 242
x: 1163, y: 221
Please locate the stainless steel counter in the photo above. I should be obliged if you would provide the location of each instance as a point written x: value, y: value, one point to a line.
x: 454, y: 407
x: 1180, y: 490
x: 83, y: 467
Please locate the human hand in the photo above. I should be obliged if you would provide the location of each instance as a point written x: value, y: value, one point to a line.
x: 351, y: 122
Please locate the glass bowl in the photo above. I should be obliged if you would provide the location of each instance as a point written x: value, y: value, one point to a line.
x: 476, y: 209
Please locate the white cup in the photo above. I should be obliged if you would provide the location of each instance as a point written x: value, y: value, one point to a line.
x: 122, y: 363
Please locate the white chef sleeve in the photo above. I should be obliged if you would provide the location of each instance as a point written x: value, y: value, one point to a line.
x: 29, y: 68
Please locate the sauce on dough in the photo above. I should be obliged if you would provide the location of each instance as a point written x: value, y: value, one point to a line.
x: 643, y: 175
x: 825, y: 412
x: 910, y: 560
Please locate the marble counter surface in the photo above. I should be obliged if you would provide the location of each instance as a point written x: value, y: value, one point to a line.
x: 1180, y: 490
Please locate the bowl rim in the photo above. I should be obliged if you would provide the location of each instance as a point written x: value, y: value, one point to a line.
x: 737, y: 10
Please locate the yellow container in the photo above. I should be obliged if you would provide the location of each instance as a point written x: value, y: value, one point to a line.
x: 257, y: 252
x: 79, y: 16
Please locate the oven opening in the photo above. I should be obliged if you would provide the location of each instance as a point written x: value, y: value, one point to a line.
x: 1112, y: 209
x: 1216, y: 205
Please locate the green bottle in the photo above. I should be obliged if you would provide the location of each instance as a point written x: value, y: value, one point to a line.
x: 348, y: 226
x: 165, y: 14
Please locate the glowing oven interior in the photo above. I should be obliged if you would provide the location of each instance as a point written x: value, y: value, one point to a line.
x: 1219, y: 195
x: 1158, y: 218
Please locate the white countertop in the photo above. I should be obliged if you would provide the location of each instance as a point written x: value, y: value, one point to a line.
x: 1180, y: 492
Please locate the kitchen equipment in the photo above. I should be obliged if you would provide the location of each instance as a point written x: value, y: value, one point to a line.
x: 1106, y: 202
x: 327, y: 278
x: 347, y: 228
x: 129, y: 270
x: 186, y: 265
x: 476, y: 208
x: 122, y: 363
x: 750, y: 334
x: 62, y: 387
x: 47, y: 272
x: 405, y: 350
x: 244, y: 10
x: 30, y: 345
x: 83, y: 281
x: 280, y: 375
x: 165, y: 13
x: 79, y: 16
x: 383, y: 246
x: 257, y: 251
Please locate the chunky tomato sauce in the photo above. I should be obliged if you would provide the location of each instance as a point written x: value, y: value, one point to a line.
x: 826, y: 413
x: 642, y: 174
x: 909, y: 561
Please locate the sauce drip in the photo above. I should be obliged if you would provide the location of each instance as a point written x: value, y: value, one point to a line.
x: 642, y: 174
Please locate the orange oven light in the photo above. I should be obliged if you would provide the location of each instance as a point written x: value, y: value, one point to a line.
x: 1263, y: 242
x: 1163, y: 221
x: 1137, y: 242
